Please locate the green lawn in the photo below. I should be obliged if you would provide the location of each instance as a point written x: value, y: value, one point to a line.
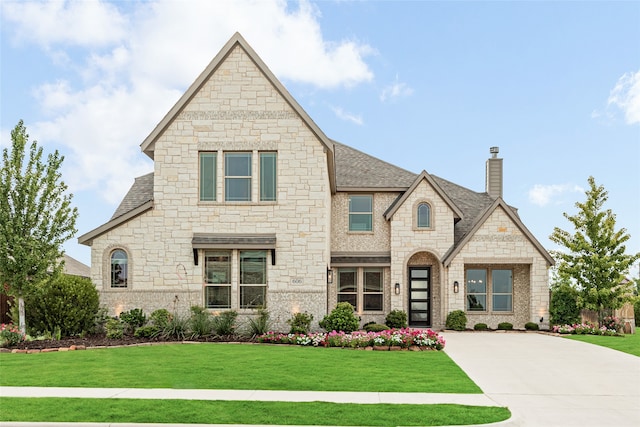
x: 239, y: 366
x: 626, y: 343
x: 243, y: 412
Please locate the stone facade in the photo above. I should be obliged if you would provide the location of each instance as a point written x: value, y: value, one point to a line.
x: 237, y: 105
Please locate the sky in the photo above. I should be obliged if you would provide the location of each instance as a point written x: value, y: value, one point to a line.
x: 424, y: 85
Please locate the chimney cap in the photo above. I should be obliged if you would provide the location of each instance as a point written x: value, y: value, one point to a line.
x: 494, y: 151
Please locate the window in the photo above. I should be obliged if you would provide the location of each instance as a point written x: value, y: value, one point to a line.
x: 348, y: 286
x: 372, y: 289
x: 361, y: 213
x: 253, y: 279
x: 502, y: 290
x: 476, y: 290
x: 217, y: 267
x: 361, y: 287
x: 237, y: 177
x: 208, y: 176
x: 119, y: 269
x: 267, y: 177
x: 424, y: 215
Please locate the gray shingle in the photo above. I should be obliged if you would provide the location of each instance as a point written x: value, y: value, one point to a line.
x: 140, y: 192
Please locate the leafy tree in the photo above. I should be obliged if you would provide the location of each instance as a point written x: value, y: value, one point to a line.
x: 595, y: 260
x: 36, y: 217
x: 563, y: 307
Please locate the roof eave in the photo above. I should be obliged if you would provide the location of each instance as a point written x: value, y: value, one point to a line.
x: 87, y: 239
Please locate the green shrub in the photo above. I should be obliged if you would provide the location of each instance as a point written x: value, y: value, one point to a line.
x: 505, y: 326
x: 531, y: 326
x: 260, y: 324
x: 456, y: 320
x: 160, y: 318
x: 636, y: 311
x: 115, y: 329
x: 69, y: 303
x: 563, y: 307
x: 396, y: 319
x: 200, y: 322
x: 176, y: 328
x: 225, y: 323
x: 133, y: 319
x: 342, y: 318
x: 480, y: 327
x: 148, y: 331
x: 375, y: 327
x: 300, y: 323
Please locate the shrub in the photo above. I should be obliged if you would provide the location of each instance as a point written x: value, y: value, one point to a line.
x: 505, y: 326
x: 480, y: 327
x: 69, y: 303
x: 396, y: 319
x: 341, y: 318
x: 300, y: 323
x: 115, y: 329
x: 200, y: 322
x: 160, y: 318
x: 225, y: 323
x: 456, y: 320
x: 10, y: 335
x: 133, y: 319
x: 531, y: 326
x: 636, y: 311
x: 563, y: 308
x: 176, y: 328
x: 260, y: 324
x: 148, y: 331
x: 375, y: 327
x: 612, y: 323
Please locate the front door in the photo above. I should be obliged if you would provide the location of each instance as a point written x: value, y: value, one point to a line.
x: 419, y: 293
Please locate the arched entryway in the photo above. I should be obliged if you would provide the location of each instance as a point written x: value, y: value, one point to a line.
x: 423, y: 285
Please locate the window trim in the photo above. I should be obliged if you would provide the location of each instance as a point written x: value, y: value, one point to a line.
x: 494, y: 294
x: 201, y: 155
x: 468, y: 294
x: 212, y: 284
x: 264, y: 155
x: 489, y: 305
x: 106, y: 270
x: 249, y: 177
x: 360, y: 293
x: 416, y: 215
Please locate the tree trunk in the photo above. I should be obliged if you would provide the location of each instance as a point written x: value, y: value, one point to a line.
x: 23, y: 325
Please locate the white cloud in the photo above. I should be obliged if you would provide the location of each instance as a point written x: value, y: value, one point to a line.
x: 626, y: 96
x: 349, y: 117
x: 542, y: 195
x: 128, y: 64
x: 395, y: 90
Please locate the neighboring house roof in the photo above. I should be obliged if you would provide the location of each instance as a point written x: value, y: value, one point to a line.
x: 148, y: 145
x: 73, y: 267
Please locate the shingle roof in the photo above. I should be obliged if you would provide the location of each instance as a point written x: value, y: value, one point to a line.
x: 140, y: 192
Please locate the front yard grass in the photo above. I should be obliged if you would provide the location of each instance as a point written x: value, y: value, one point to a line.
x: 244, y: 412
x: 240, y: 367
x: 626, y: 343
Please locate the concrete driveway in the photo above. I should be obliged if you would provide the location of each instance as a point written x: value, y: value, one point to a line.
x: 547, y: 380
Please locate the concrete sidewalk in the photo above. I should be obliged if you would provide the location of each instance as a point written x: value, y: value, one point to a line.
x: 551, y: 381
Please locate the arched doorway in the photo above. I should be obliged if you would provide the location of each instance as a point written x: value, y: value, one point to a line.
x: 423, y: 285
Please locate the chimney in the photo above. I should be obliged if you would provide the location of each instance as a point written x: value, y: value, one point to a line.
x: 494, y: 173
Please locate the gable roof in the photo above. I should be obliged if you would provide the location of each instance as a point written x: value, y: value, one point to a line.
x: 498, y: 203
x: 148, y: 145
x: 426, y: 177
x: 73, y: 267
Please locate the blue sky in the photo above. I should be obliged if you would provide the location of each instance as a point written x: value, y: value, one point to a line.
x: 423, y: 85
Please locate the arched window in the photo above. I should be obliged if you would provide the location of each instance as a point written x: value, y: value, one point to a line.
x: 119, y: 269
x: 424, y: 215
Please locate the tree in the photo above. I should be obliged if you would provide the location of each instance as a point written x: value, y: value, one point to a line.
x: 36, y: 217
x: 596, y: 261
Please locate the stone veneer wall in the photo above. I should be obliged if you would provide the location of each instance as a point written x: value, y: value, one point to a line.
x: 500, y: 242
x: 236, y: 110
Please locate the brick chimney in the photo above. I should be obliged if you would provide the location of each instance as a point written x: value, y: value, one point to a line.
x: 494, y: 173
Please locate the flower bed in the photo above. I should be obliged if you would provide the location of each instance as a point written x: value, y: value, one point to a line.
x: 424, y: 339
x: 10, y: 335
x: 587, y: 329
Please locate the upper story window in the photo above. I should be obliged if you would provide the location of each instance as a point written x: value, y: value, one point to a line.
x: 119, y: 269
x: 361, y: 212
x: 237, y: 177
x: 424, y: 216
x: 208, y: 168
x: 268, y: 177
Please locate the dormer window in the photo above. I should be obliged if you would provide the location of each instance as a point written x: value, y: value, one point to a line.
x: 424, y: 216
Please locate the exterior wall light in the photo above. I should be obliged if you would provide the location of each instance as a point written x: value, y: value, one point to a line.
x: 329, y: 276
x: 397, y: 288
x: 456, y: 287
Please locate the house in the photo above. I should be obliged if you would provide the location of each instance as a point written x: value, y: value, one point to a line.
x: 251, y: 205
